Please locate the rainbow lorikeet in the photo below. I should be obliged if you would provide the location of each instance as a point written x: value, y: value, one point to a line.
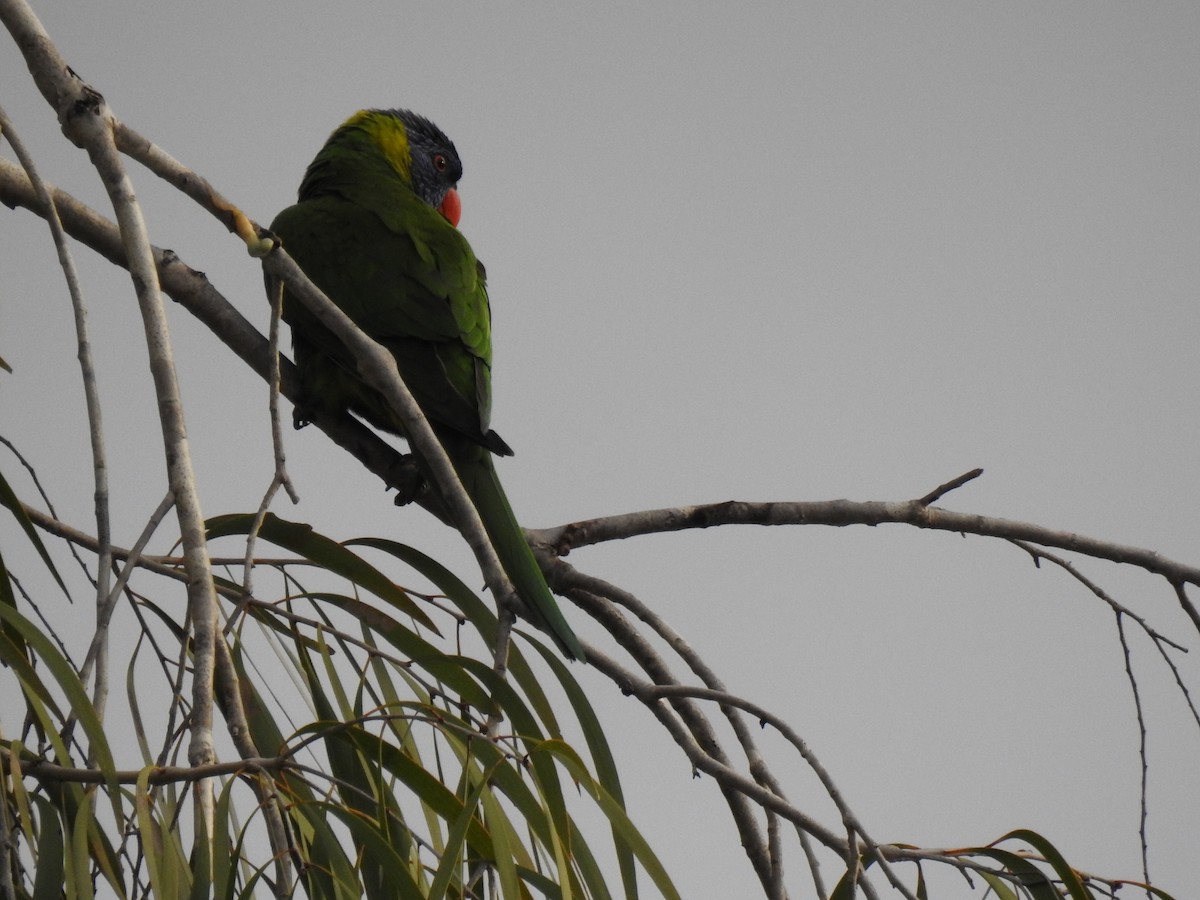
x: 375, y: 227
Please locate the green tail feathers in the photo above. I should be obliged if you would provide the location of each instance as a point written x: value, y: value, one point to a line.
x: 478, y: 475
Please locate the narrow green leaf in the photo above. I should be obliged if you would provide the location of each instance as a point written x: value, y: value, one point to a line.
x: 81, y: 705
x: 223, y: 871
x: 1031, y: 879
x: 616, y: 815
x: 481, y: 616
x: 148, y: 829
x: 105, y: 858
x: 9, y: 499
x: 847, y: 887
x: 328, y: 873
x: 998, y: 885
x: 367, y: 835
x: 345, y: 709
x: 358, y: 788
x: 1153, y: 890
x: 50, y: 877
x: 506, y: 844
x: 545, y: 772
x: 590, y: 873
x: 7, y: 598
x: 324, y: 552
x: 14, y: 656
x: 1070, y: 878
x: 450, y: 669
x: 426, y: 787
x: 454, y: 850
x: 79, y: 876
x: 199, y: 872
x: 603, y: 763
x: 20, y: 795
x: 168, y: 619
x: 266, y: 733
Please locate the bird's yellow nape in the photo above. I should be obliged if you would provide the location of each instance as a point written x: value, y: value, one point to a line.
x: 389, y: 134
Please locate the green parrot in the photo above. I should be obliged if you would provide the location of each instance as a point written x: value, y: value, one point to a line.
x: 375, y: 227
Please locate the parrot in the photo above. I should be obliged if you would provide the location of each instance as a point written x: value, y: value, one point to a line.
x: 375, y: 226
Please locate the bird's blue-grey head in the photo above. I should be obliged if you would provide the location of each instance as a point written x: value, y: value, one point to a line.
x: 435, y: 168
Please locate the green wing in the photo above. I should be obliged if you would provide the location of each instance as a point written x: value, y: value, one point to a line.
x: 418, y: 290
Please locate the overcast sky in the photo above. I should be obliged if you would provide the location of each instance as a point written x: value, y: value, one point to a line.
x: 777, y: 252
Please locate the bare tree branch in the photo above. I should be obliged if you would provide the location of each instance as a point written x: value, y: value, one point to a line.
x: 44, y: 769
x: 840, y: 513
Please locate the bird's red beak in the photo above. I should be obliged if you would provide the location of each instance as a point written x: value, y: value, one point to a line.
x: 451, y: 207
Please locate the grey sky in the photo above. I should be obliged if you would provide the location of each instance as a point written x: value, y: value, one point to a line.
x: 776, y: 253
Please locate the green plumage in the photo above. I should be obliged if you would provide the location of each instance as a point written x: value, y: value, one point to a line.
x: 369, y: 231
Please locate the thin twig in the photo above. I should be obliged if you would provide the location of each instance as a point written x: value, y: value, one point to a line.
x: 505, y: 621
x: 98, y: 652
x: 108, y: 604
x: 91, y: 395
x: 953, y: 484
x: 1141, y: 723
x: 281, y: 473
x: 1066, y: 565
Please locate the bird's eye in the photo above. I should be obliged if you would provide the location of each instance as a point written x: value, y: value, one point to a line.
x: 440, y: 162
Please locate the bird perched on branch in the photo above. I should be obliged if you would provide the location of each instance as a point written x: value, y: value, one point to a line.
x: 375, y: 227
